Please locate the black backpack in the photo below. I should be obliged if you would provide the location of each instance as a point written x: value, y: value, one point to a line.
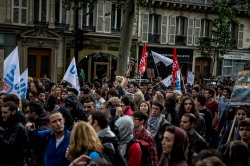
x: 110, y: 149
x: 144, y: 149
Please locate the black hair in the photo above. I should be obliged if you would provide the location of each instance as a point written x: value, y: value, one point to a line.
x: 125, y: 100
x: 140, y: 115
x: 101, y: 118
x: 11, y: 105
x: 159, y: 104
x: 192, y: 118
x: 54, y: 112
x: 73, y: 90
x: 11, y: 97
x: 202, y: 99
x: 36, y: 106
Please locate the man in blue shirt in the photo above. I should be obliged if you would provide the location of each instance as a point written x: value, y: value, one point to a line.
x: 57, y: 139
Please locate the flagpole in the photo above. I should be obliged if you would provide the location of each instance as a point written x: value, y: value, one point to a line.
x: 157, y: 69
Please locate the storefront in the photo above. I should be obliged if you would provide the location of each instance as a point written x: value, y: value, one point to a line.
x: 185, y: 58
x: 234, y: 62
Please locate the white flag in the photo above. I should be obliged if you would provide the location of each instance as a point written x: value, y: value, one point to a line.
x: 167, y: 81
x: 160, y: 58
x: 11, y: 75
x: 23, y: 85
x: 71, y: 75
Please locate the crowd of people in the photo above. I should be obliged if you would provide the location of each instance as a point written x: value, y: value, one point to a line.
x: 123, y: 123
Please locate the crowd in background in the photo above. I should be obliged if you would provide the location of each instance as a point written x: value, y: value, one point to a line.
x: 123, y: 123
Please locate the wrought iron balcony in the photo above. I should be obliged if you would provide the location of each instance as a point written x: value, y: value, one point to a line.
x: 153, y: 38
x: 180, y: 40
x: 201, y: 2
x: 115, y: 30
x: 88, y: 28
x: 62, y: 26
x: 41, y: 24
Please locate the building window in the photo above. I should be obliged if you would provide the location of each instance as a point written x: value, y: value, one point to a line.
x: 232, y: 67
x: 116, y: 18
x: 87, y: 19
x: 153, y: 30
x: 180, y: 26
x: 205, y: 28
x: 180, y: 36
x: 41, y: 10
x: 7, y: 43
x: 232, y: 38
x: 61, y: 14
x: 19, y: 12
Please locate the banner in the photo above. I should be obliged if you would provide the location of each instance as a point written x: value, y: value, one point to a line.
x: 22, y: 86
x: 175, y: 66
x: 143, y: 61
x: 190, y: 77
x: 11, y: 76
x: 241, y: 92
x: 71, y: 75
x: 160, y: 58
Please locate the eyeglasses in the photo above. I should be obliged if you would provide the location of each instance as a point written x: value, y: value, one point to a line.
x: 134, y: 119
x: 244, y: 129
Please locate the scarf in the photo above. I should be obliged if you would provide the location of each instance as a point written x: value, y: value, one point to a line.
x: 154, y: 124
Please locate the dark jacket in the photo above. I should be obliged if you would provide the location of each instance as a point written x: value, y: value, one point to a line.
x: 208, y: 121
x: 12, y: 142
x: 78, y: 112
x: 38, y: 147
x: 69, y: 121
x: 197, y: 142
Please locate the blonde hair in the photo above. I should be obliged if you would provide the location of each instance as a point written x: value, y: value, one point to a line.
x: 119, y: 79
x: 83, y: 138
x: 159, y: 96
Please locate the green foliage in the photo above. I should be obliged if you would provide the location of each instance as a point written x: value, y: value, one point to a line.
x: 220, y: 42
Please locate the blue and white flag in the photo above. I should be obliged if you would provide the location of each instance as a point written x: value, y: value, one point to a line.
x: 23, y: 85
x: 160, y: 58
x: 168, y: 80
x: 71, y: 75
x: 11, y: 75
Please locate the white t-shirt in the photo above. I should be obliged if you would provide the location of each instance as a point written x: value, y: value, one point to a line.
x: 58, y: 141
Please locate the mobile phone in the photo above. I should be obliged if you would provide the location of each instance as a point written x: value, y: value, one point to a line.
x: 112, y: 111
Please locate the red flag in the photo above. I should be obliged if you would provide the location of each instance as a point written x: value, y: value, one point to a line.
x: 143, y: 61
x: 175, y: 67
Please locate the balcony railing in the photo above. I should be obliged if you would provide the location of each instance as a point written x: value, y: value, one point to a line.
x: 41, y: 24
x: 180, y: 39
x: 62, y: 26
x: 153, y: 38
x: 88, y: 28
x: 204, y: 2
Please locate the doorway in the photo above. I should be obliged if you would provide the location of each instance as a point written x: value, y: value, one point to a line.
x: 202, y: 66
x: 39, y: 61
x: 102, y: 68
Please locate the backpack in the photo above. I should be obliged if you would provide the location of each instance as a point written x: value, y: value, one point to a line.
x: 110, y: 148
x: 144, y: 149
x: 103, y: 156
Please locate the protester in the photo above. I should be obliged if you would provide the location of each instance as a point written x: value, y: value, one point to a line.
x: 57, y: 139
x: 13, y: 140
x: 175, y: 145
x: 145, y: 107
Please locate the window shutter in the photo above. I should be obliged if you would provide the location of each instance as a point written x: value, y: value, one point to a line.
x: 240, y: 36
x: 100, y: 16
x: 190, y: 31
x: 197, y: 31
x: 145, y: 21
x: 172, y: 30
x: 164, y: 21
x: 107, y: 17
x: 15, y: 15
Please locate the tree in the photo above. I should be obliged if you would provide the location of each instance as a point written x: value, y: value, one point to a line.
x: 221, y: 43
x: 130, y: 8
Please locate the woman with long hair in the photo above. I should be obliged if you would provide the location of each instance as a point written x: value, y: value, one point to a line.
x: 145, y: 107
x: 84, y: 141
x: 239, y: 153
x: 188, y: 106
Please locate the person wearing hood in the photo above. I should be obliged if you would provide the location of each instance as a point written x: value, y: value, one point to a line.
x: 99, y: 121
x: 75, y: 108
x: 13, y: 139
x: 39, y: 116
x: 175, y: 147
x: 125, y: 128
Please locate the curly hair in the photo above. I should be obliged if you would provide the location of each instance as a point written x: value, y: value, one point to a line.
x: 83, y: 138
x: 182, y: 109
